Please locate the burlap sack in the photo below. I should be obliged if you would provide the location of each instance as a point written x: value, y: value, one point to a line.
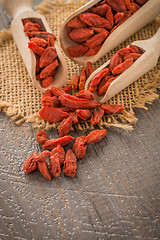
x: 20, y: 100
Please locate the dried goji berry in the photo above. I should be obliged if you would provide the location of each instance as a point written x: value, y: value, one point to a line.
x: 101, y: 10
x: 126, y: 16
x: 73, y: 117
x: 54, y: 164
x: 97, y: 116
x: 50, y: 41
x: 77, y: 103
x: 109, y: 17
x: 104, y: 85
x: 85, y: 94
x: 37, y: 65
x: 43, y: 168
x: 30, y: 164
x: 70, y: 164
x: 52, y: 114
x: 29, y: 27
x: 118, y: 16
x: 40, y: 34
x: 89, y: 69
x: 134, y: 56
x: 80, y: 34
x: 48, y: 71
x: 74, y: 82
x: 94, y: 20
x: 67, y: 89
x: 41, y: 157
x: 57, y: 91
x: 93, y: 51
x: 48, y: 56
x: 40, y: 41
x: 114, y: 61
x: 127, y: 3
x: 50, y: 144
x: 35, y: 48
x: 95, y: 136
x: 79, y: 147
x: 59, y: 152
x: 112, y: 108
x: 84, y: 114
x: 97, y: 78
x: 135, y: 49
x: 65, y: 127
x: 124, y: 51
x: 42, y: 136
x: 76, y: 23
x: 50, y: 101
x: 82, y: 79
x: 46, y: 82
x: 134, y: 7
x: 117, y: 5
x: 122, y: 67
x: 96, y: 40
x: 77, y: 50
x: 140, y: 2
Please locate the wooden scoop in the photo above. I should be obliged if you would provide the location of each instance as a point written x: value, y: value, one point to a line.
x: 148, y: 60
x: 21, y: 9
x: 142, y: 17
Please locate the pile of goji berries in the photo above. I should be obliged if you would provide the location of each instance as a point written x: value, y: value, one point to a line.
x: 119, y: 62
x: 57, y: 156
x: 42, y: 44
x: 91, y: 28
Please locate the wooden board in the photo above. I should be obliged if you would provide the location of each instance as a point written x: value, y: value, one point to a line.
x: 115, y: 194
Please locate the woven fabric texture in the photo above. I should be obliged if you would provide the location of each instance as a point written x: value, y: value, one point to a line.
x: 21, y: 100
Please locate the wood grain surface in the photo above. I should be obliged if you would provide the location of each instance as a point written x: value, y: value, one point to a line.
x: 115, y: 194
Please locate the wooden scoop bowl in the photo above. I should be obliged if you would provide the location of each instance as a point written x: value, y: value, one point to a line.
x: 21, y: 9
x: 148, y: 60
x: 142, y: 17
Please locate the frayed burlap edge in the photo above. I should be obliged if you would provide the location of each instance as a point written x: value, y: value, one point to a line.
x: 124, y: 120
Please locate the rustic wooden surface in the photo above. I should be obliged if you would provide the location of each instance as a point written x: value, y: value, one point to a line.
x: 115, y: 194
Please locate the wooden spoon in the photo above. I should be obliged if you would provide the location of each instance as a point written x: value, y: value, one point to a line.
x: 148, y: 60
x: 142, y: 17
x: 21, y: 9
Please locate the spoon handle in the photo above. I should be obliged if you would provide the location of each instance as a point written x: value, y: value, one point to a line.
x: 155, y: 42
x: 14, y: 7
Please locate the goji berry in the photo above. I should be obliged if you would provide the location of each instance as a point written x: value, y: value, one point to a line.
x: 80, y: 35
x: 77, y: 103
x: 124, y: 51
x: 82, y: 79
x: 122, y: 67
x: 118, y: 16
x: 41, y: 157
x: 48, y: 56
x: 134, y: 7
x: 74, y: 82
x: 35, y: 48
x: 109, y: 17
x: 96, y: 40
x: 94, y: 20
x: 93, y: 51
x: 52, y: 114
x: 112, y: 108
x: 135, y: 49
x: 43, y: 168
x: 89, y: 69
x: 50, y: 144
x: 104, y: 85
x: 59, y: 152
x: 117, y: 5
x: 50, y: 101
x: 37, y: 65
x: 140, y: 2
x: 97, y: 116
x: 40, y: 41
x: 114, y: 61
x: 77, y: 50
x: 42, y: 136
x: 79, y: 147
x: 30, y: 27
x: 48, y: 70
x: 67, y: 89
x: 134, y: 56
x: 97, y: 78
x: 46, y: 82
x: 101, y: 10
x: 50, y: 41
x: 84, y: 114
x: 95, y: 136
x: 57, y: 91
x: 73, y: 117
x: 30, y: 164
x: 65, y: 127
x: 85, y: 94
x: 76, y: 23
x: 70, y: 164
x: 54, y: 164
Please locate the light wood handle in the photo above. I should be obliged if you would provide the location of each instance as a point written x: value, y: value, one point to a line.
x: 14, y: 7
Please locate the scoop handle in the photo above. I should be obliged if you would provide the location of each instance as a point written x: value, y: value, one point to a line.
x: 155, y: 42
x: 14, y: 7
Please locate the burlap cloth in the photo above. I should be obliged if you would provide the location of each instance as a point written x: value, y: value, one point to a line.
x: 20, y: 100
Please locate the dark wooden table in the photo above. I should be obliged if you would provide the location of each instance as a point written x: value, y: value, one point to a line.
x: 115, y: 194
